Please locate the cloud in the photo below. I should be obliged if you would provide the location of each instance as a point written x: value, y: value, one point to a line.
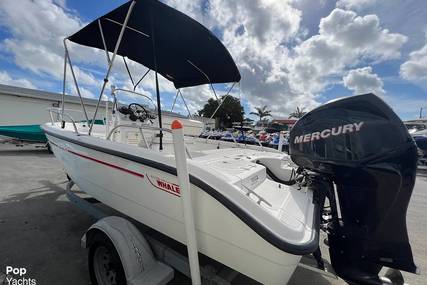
x: 355, y: 4
x: 38, y: 29
x: 83, y: 91
x: 415, y: 68
x: 277, y: 62
x: 5, y: 78
x: 344, y: 40
x: 362, y: 80
x: 257, y: 34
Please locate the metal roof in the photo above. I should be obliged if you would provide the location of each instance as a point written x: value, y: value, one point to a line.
x: 44, y: 95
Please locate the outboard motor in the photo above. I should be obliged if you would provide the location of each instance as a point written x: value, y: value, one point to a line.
x: 361, y: 146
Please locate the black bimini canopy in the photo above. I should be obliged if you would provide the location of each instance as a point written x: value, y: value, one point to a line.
x: 184, y: 51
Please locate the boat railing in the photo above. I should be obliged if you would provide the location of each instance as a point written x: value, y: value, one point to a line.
x: 148, y: 146
x: 61, y: 116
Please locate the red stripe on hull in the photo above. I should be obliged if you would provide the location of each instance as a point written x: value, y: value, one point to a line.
x: 102, y: 162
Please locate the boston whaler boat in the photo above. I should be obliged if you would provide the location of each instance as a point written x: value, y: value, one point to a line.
x: 252, y: 211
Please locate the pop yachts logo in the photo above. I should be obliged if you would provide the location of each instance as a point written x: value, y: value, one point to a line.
x: 16, y: 276
x: 336, y: 131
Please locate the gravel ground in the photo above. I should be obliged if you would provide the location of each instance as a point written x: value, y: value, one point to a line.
x: 40, y: 230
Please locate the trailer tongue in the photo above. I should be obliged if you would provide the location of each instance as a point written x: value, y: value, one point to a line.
x: 370, y: 168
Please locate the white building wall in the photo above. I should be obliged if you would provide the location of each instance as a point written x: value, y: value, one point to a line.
x: 18, y: 110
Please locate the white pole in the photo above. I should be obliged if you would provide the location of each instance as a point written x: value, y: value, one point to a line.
x: 107, y: 130
x: 187, y: 205
x: 281, y: 138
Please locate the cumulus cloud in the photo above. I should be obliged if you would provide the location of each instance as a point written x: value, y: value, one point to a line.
x: 38, y: 29
x: 278, y: 66
x: 344, y: 39
x: 362, y: 80
x: 415, y: 68
x: 355, y: 4
x: 265, y: 38
x: 5, y: 78
x: 257, y: 34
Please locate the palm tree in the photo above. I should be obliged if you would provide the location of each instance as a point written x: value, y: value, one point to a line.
x: 261, y: 112
x: 298, y: 113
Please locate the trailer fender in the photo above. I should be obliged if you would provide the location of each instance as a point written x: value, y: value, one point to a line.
x: 135, y: 253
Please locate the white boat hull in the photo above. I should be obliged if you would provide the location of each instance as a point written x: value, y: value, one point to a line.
x: 151, y: 196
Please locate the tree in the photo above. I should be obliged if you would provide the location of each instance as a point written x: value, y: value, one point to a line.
x: 261, y: 112
x: 298, y: 113
x: 230, y: 111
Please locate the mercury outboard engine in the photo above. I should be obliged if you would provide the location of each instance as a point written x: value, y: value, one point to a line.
x: 362, y: 148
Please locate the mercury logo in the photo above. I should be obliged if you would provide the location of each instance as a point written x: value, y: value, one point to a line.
x: 336, y: 131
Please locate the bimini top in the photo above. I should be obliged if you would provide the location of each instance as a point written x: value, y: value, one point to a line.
x: 185, y: 52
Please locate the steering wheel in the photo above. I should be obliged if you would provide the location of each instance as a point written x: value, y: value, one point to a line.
x: 139, y: 112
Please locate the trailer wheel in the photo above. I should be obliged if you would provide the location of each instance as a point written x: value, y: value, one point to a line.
x: 395, y: 276
x: 105, y: 266
x: 49, y: 148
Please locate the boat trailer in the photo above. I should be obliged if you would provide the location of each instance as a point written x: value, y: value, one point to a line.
x: 159, y: 253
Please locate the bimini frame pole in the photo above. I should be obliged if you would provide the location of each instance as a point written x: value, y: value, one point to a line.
x: 174, y: 100
x: 179, y: 93
x: 223, y: 100
x: 139, y: 81
x: 110, y: 64
x: 205, y: 75
x: 75, y: 79
x: 103, y: 40
x: 159, y: 109
x: 63, y: 89
x: 185, y: 103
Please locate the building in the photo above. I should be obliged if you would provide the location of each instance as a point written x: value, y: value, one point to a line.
x: 23, y: 110
x: 289, y: 123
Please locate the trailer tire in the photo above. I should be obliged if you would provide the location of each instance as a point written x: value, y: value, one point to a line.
x: 49, y: 148
x: 105, y: 266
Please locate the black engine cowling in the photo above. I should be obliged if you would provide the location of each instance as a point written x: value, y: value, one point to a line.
x: 364, y: 148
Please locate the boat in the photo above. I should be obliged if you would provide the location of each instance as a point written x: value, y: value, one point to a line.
x: 228, y: 136
x: 416, y: 125
x: 33, y: 105
x: 420, y: 139
x: 253, y: 211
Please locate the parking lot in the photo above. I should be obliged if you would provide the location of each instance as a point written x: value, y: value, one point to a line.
x: 41, y: 230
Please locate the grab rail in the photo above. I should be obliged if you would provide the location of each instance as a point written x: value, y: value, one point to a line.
x: 147, y: 128
x: 61, y: 115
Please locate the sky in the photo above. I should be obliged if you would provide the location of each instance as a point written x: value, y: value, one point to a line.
x: 289, y: 52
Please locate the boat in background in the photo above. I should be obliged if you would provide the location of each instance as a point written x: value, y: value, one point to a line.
x: 420, y: 139
x: 33, y: 105
x: 416, y: 125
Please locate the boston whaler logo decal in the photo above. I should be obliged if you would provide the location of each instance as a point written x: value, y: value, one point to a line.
x: 165, y: 185
x: 336, y: 131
